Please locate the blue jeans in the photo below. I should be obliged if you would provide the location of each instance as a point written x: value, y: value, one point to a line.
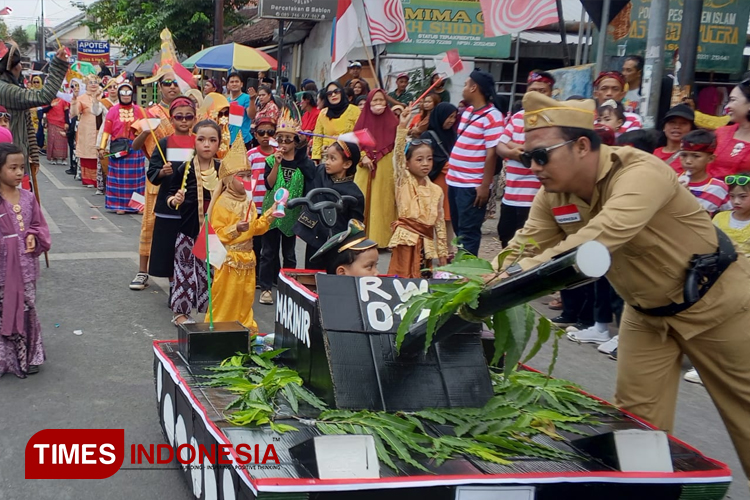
x: 466, y: 218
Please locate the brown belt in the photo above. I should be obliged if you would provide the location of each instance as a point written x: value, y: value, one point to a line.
x: 414, y: 226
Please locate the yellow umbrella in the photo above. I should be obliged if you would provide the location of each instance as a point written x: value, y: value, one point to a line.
x: 233, y: 56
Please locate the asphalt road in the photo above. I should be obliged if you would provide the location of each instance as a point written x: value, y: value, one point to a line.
x: 103, y: 378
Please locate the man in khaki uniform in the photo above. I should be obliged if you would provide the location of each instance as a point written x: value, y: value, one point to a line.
x: 631, y: 202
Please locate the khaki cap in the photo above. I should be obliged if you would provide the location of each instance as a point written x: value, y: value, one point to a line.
x: 541, y: 111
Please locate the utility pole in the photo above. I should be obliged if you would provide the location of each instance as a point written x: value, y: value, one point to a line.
x: 279, y: 66
x: 42, y: 40
x: 653, y: 70
x: 563, y: 33
x: 603, y: 36
x: 218, y: 22
x: 692, y: 11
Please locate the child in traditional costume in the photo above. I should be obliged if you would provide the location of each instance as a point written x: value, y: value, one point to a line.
x: 190, y: 193
x: 283, y: 170
x: 234, y: 218
x: 338, y: 174
x: 126, y: 165
x: 349, y: 253
x: 102, y: 163
x: 25, y: 236
x: 86, y: 108
x: 179, y: 148
x: 419, y: 233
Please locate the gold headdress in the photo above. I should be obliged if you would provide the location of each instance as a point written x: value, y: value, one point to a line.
x: 287, y: 123
x: 235, y: 160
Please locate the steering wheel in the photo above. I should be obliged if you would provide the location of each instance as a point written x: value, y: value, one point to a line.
x: 327, y: 210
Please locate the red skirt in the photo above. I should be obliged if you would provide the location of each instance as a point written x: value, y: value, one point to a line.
x: 88, y: 171
x: 57, y: 143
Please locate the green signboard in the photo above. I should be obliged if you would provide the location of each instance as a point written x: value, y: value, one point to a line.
x: 722, y: 36
x: 436, y: 26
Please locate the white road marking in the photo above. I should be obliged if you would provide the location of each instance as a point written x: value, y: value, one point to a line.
x: 100, y: 225
x: 54, y: 180
x: 53, y: 227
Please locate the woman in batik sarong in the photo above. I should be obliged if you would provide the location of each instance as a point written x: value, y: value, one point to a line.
x: 25, y: 236
x: 190, y: 193
x: 127, y: 167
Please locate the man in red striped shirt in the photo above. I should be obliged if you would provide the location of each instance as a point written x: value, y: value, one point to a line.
x: 473, y: 158
x: 521, y: 185
x: 611, y: 85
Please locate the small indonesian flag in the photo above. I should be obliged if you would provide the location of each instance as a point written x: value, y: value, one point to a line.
x: 361, y: 138
x: 179, y: 149
x: 566, y: 214
x: 236, y: 114
x: 448, y: 63
x: 216, y: 251
x: 137, y: 201
x: 147, y: 124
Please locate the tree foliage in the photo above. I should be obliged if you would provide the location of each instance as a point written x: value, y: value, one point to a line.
x: 136, y: 25
x: 3, y: 30
x: 20, y: 36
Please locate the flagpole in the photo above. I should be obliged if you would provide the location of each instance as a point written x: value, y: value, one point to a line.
x: 427, y: 91
x: 369, y: 61
x: 375, y: 74
x: 208, y: 277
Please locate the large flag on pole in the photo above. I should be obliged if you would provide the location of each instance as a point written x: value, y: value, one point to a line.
x: 385, y: 19
x: 503, y: 17
x: 345, y: 36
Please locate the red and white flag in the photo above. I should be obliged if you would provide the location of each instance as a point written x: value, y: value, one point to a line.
x: 6, y: 11
x: 448, y: 63
x: 236, y: 114
x: 180, y: 149
x: 385, y: 19
x: 216, y: 251
x: 503, y: 17
x: 137, y: 201
x: 362, y: 138
x: 345, y: 35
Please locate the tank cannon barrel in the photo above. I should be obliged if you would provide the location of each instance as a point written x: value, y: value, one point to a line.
x: 578, y: 266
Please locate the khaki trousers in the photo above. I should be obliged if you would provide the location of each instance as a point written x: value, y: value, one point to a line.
x: 648, y: 373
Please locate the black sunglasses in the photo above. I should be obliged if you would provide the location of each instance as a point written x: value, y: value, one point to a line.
x: 167, y: 83
x: 265, y: 133
x: 540, y: 156
x: 183, y: 118
x: 333, y: 92
x: 285, y: 140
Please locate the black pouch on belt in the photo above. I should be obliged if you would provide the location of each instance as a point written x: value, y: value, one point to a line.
x: 703, y: 272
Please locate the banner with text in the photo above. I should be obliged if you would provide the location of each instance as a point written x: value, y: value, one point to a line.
x: 93, y: 51
x: 299, y: 10
x: 722, y: 34
x: 437, y: 26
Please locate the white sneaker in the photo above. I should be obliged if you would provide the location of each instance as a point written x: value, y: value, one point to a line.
x: 692, y: 376
x: 99, y: 192
x: 590, y: 335
x: 266, y: 297
x: 609, y: 346
x: 139, y: 282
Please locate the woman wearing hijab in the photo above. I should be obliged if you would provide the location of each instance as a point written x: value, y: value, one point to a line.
x: 443, y: 135
x: 375, y: 173
x: 37, y: 116
x: 338, y: 117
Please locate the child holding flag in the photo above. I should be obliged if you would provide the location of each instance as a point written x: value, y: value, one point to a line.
x: 233, y: 216
x: 179, y: 148
x: 190, y: 193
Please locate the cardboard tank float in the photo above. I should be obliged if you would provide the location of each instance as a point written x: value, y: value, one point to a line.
x: 339, y: 332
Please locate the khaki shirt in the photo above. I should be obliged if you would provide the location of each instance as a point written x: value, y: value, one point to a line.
x: 652, y: 226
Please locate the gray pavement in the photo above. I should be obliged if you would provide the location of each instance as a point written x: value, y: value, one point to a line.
x: 103, y: 378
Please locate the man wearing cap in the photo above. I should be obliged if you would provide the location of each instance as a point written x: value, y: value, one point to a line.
x: 660, y: 240
x: 521, y: 185
x: 611, y: 85
x: 400, y: 95
x: 472, y: 162
x: 353, y: 71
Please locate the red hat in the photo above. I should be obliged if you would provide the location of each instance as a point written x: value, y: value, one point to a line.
x: 609, y: 74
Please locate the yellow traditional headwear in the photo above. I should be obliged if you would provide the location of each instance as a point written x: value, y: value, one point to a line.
x: 235, y: 160
x: 541, y: 111
x: 164, y: 70
x: 286, y: 123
